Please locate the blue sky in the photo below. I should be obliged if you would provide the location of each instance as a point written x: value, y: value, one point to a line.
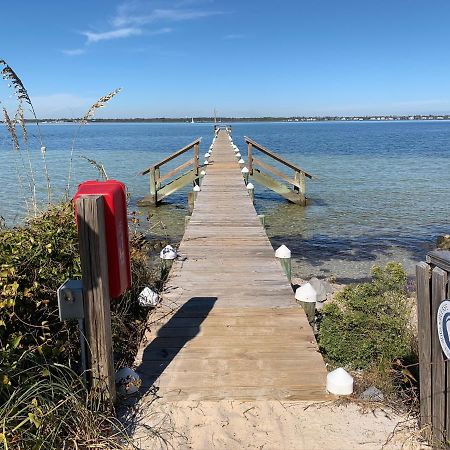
x: 244, y: 58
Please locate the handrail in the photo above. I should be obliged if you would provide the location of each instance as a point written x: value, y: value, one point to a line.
x: 276, y: 157
x: 172, y: 156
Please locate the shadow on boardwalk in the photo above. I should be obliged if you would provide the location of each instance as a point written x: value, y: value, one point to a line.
x: 183, y: 326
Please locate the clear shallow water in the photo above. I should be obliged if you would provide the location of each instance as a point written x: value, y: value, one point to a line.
x: 381, y: 193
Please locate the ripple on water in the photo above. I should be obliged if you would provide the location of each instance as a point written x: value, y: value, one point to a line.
x: 381, y: 190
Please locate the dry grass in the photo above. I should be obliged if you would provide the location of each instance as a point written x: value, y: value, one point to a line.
x: 100, y: 103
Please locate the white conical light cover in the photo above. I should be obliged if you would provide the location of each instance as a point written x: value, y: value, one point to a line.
x: 168, y: 252
x: 244, y: 170
x: 282, y: 252
x: 205, y: 163
x: 206, y: 155
x: 339, y: 382
x: 202, y: 173
x: 238, y: 155
x: 128, y: 381
x: 241, y: 161
x: 148, y: 298
x: 196, y: 188
x: 306, y: 293
x: 250, y: 186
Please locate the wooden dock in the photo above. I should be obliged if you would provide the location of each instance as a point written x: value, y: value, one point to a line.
x: 228, y: 326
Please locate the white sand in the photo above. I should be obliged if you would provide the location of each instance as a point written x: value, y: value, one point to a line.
x: 273, y: 425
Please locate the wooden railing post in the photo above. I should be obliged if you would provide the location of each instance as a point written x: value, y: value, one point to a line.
x: 299, y: 177
x: 196, y: 157
x: 157, y: 179
x: 153, y: 191
x: 94, y: 265
x: 250, y: 158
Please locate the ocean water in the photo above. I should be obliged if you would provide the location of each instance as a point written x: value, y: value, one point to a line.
x: 381, y: 190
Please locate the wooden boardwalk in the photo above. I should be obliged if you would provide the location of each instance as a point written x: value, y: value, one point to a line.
x: 229, y: 326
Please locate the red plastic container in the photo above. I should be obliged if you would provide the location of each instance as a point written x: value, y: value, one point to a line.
x: 116, y: 224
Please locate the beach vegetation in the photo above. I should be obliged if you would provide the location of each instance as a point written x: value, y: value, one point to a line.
x: 42, y: 395
x: 44, y: 402
x: 368, y: 328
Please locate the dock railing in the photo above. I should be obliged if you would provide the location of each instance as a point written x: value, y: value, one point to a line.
x: 297, y: 193
x: 432, y: 278
x: 158, y: 191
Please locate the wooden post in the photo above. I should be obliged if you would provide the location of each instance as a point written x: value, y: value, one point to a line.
x: 157, y: 179
x: 262, y: 218
x: 153, y: 191
x: 250, y: 158
x: 438, y: 381
x: 94, y: 265
x: 191, y: 200
x: 299, y: 177
x: 196, y: 162
x: 423, y: 283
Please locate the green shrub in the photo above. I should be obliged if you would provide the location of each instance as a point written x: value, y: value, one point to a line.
x: 38, y: 353
x: 368, y: 323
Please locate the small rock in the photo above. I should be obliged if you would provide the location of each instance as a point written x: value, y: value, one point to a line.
x: 372, y: 394
x: 443, y: 242
x: 322, y: 287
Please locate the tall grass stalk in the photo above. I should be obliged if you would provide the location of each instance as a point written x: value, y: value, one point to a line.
x: 100, y: 103
x: 11, y: 128
x: 22, y: 97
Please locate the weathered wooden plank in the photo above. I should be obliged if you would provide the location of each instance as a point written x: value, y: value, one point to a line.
x: 228, y: 315
x: 423, y: 285
x: 439, y: 290
x: 279, y: 188
x: 176, y: 184
x: 276, y: 172
x: 440, y: 258
x: 173, y: 172
x: 275, y: 156
x: 172, y: 156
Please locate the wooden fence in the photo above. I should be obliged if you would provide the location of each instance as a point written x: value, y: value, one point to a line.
x: 432, y: 288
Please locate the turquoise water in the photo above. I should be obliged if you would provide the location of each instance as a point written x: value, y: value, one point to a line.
x: 381, y: 190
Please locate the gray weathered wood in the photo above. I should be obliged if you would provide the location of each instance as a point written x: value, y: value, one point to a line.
x: 228, y: 326
x: 172, y: 156
x: 440, y: 258
x: 173, y: 172
x: 295, y: 182
x: 153, y: 190
x: 439, y: 290
x: 280, y: 188
x: 423, y: 283
x: 196, y: 158
x: 94, y: 264
x: 250, y: 157
x: 275, y: 156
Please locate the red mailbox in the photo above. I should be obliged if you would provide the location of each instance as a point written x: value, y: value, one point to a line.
x: 116, y: 227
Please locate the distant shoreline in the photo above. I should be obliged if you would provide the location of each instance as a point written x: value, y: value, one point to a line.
x: 226, y: 120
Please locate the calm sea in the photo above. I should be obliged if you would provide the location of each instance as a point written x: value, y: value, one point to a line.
x: 381, y: 190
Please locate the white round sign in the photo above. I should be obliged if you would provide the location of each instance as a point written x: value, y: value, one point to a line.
x: 443, y: 326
